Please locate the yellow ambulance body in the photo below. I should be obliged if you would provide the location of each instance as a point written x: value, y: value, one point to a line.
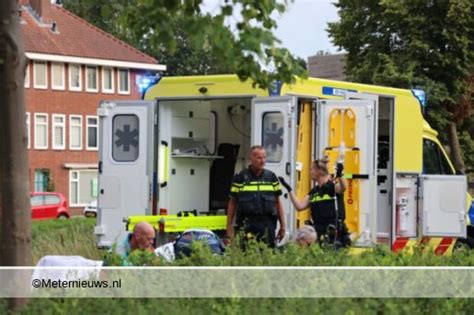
x: 403, y: 188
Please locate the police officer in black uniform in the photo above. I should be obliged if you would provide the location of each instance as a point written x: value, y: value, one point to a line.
x: 255, y: 201
x: 327, y: 213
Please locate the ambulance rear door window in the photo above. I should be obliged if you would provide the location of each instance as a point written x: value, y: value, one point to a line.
x: 272, y: 136
x: 125, y: 138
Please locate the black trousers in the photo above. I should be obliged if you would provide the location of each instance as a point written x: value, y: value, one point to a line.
x: 343, y: 235
x: 262, y: 229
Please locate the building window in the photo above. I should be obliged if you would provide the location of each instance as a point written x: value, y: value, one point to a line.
x: 40, y: 75
x: 91, y: 79
x: 75, y: 77
x: 41, y: 131
x: 41, y: 180
x: 57, y: 76
x: 59, y: 132
x: 74, y: 188
x: 124, y: 81
x: 92, y: 132
x: 28, y: 129
x: 75, y: 132
x: 108, y: 80
x: 27, y: 76
x: 82, y: 187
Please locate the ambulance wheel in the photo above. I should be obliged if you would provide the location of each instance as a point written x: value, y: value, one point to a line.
x: 464, y: 242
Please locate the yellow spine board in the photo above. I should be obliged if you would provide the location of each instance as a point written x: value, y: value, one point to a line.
x: 303, y: 156
x: 342, y: 124
x: 335, y: 134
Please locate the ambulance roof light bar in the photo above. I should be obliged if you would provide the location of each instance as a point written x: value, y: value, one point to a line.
x: 420, y: 95
x: 145, y: 81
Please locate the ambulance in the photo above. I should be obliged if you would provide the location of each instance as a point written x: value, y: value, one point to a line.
x: 169, y: 159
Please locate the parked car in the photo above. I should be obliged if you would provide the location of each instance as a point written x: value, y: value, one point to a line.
x: 49, y: 205
x: 91, y: 209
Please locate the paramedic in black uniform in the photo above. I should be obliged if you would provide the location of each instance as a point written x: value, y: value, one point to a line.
x: 255, y: 202
x: 328, y: 218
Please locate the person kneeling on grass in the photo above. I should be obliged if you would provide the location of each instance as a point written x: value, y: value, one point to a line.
x: 305, y: 236
x: 142, y: 238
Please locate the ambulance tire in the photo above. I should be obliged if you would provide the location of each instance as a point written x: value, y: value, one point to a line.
x: 467, y: 242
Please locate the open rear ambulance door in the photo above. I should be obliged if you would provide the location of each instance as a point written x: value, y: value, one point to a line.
x: 442, y: 205
x: 274, y: 127
x: 347, y: 129
x: 125, y: 166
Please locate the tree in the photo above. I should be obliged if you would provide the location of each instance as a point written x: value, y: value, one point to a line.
x: 15, y: 238
x: 185, y: 59
x: 414, y: 44
x: 241, y: 33
x: 101, y: 14
x: 188, y: 57
x: 237, y: 39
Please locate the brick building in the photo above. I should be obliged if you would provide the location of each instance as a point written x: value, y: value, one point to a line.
x: 72, y: 67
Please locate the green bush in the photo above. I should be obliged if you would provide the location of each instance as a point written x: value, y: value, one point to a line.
x: 75, y: 237
x: 247, y: 306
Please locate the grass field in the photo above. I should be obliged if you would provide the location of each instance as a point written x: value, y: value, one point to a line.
x: 64, y: 237
x: 75, y: 237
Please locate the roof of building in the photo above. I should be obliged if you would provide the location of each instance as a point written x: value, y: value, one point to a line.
x: 327, y: 66
x: 75, y: 37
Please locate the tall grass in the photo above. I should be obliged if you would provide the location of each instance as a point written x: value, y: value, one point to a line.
x: 64, y: 237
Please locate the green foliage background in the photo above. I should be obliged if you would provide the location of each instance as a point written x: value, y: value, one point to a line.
x: 415, y: 44
x: 236, y: 38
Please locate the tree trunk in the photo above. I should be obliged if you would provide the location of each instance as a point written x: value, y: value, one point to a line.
x: 15, y: 238
x: 455, y: 148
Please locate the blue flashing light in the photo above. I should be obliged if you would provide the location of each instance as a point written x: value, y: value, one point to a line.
x: 420, y: 95
x: 471, y: 213
x: 145, y: 81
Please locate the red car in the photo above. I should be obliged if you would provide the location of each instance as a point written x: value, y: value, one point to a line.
x: 49, y: 205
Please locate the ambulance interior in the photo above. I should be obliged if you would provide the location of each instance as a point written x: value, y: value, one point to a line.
x: 209, y: 142
x: 384, y: 169
x: 363, y: 214
x: 215, y: 145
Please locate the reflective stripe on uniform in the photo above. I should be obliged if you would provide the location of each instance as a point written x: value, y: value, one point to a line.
x: 317, y: 198
x: 234, y: 189
x: 276, y: 186
x: 257, y: 188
